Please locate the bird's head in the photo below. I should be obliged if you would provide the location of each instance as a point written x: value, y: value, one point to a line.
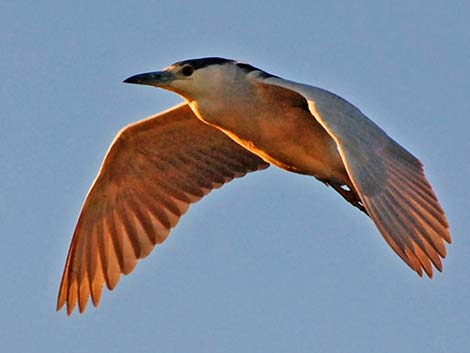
x: 200, y: 78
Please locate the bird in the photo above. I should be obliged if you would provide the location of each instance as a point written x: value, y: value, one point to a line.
x: 236, y: 119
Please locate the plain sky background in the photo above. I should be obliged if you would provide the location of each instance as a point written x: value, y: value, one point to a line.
x: 273, y: 262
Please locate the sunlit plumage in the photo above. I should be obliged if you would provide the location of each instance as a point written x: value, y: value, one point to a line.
x: 238, y: 119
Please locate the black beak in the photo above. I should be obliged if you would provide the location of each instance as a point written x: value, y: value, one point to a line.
x: 157, y: 79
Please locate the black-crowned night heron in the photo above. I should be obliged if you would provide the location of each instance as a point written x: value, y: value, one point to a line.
x: 239, y: 119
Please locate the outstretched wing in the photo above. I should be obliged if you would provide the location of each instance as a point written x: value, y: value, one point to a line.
x: 152, y: 172
x: 389, y: 180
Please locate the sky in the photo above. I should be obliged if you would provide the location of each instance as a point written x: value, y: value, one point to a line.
x: 273, y: 262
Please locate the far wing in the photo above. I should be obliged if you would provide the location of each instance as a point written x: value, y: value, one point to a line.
x: 389, y: 180
x: 152, y: 172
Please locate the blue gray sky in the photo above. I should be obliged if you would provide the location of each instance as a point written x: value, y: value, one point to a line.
x: 273, y: 262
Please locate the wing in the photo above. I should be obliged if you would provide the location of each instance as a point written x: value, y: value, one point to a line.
x: 389, y: 180
x: 152, y: 172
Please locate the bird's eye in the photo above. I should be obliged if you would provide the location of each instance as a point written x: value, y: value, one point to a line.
x: 187, y: 70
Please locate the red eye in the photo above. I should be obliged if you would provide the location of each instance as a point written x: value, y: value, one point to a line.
x: 187, y: 70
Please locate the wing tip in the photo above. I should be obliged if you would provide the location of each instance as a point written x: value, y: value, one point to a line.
x: 81, y: 305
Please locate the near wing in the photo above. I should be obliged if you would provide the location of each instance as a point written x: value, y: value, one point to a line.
x: 152, y: 172
x: 389, y: 180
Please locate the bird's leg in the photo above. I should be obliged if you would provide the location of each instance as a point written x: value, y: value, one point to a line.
x: 349, y: 194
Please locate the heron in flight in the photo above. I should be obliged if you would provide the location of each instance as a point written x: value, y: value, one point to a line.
x: 238, y: 119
